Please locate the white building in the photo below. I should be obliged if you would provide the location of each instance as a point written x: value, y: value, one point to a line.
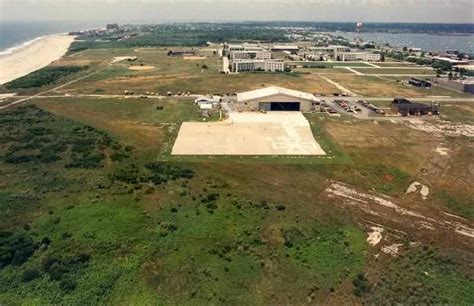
x: 357, y: 56
x: 207, y: 100
x: 239, y: 65
x: 276, y: 99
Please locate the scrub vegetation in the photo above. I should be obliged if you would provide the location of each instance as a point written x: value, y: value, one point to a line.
x: 44, y: 76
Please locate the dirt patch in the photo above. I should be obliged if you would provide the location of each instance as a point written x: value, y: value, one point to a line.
x: 392, y: 249
x: 441, y: 127
x: 123, y: 58
x: 442, y: 151
x: 419, y: 187
x: 375, y: 236
x: 384, y: 207
x: 139, y: 68
x: 194, y: 58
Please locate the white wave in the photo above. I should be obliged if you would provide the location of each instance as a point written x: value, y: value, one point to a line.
x: 25, y: 44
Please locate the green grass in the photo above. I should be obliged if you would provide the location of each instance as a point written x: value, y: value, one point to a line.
x: 332, y: 64
x: 408, y: 71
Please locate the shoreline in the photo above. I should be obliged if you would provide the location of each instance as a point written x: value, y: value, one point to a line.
x: 32, y: 55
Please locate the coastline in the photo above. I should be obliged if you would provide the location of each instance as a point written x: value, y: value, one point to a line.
x: 35, y: 54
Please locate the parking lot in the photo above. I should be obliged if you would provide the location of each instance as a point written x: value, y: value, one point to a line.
x: 273, y: 133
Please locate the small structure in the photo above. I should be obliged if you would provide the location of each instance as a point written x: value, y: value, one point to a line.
x: 181, y: 53
x: 406, y: 107
x: 207, y: 102
x: 276, y: 99
x: 419, y: 82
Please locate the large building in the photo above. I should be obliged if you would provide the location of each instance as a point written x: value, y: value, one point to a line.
x: 272, y: 65
x: 259, y: 55
x: 293, y: 49
x: 357, y: 56
x: 276, y: 99
x: 463, y: 85
x: 406, y: 107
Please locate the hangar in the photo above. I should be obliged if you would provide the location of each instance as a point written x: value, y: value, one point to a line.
x: 276, y: 99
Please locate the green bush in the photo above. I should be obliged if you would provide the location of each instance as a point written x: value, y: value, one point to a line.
x: 29, y: 275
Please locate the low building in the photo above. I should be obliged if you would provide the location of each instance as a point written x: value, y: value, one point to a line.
x: 276, y: 99
x: 357, y: 56
x: 463, y: 85
x: 450, y: 60
x: 240, y: 65
x: 181, y: 53
x: 406, y: 107
x: 207, y: 99
x: 417, y: 82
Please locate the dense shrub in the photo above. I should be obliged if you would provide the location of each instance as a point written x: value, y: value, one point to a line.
x: 15, y: 249
x: 65, y: 270
x: 29, y: 134
x: 155, y: 173
x: 29, y: 275
x: 44, y: 76
x: 361, y: 285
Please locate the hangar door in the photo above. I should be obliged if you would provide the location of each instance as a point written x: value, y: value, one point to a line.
x: 279, y: 106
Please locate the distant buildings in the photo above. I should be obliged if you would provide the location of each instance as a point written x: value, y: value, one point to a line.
x: 112, y: 26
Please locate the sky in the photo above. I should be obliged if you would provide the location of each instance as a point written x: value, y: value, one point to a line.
x: 136, y: 11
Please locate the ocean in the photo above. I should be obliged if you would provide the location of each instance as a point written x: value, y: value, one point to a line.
x: 17, y: 34
x: 430, y: 42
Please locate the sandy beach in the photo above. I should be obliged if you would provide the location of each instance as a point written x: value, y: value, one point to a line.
x: 33, y: 57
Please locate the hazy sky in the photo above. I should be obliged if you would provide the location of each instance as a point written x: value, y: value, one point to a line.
x: 456, y: 11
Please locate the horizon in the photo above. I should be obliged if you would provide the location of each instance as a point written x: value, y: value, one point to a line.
x: 139, y: 11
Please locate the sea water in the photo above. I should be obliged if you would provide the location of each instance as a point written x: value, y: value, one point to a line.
x: 14, y: 34
x: 427, y: 42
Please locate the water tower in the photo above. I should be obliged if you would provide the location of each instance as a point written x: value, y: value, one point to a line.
x: 359, y: 30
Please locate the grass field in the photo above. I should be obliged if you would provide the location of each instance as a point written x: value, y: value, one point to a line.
x: 395, y: 64
x: 408, y: 71
x: 333, y: 64
x: 372, y: 86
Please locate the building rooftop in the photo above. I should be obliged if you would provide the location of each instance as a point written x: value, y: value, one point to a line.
x: 271, y: 91
x: 294, y: 47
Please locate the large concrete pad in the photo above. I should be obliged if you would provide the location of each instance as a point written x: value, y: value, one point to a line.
x: 273, y: 133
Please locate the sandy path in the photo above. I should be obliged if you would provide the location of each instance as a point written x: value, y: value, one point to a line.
x: 33, y: 57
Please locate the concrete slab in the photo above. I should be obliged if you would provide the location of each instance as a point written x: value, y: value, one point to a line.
x: 274, y: 133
